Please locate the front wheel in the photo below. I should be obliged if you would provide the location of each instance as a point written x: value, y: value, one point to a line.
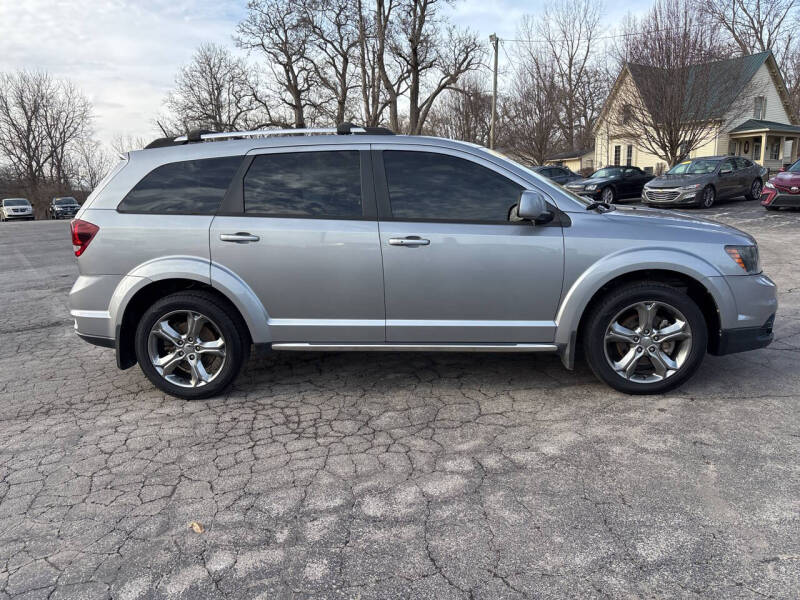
x: 645, y: 338
x: 607, y: 195
x: 190, y: 345
x: 755, y: 190
x: 708, y: 197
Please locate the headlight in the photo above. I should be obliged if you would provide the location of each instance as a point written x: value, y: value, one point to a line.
x: 746, y: 257
x: 769, y: 185
x: 690, y: 188
x: 591, y: 186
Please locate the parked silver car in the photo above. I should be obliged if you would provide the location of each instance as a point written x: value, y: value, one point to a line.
x: 16, y: 209
x: 195, y: 249
x: 703, y: 181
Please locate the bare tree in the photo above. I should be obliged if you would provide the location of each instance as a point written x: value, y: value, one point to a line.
x: 434, y: 54
x: 125, y: 142
x: 213, y: 91
x: 42, y: 121
x: 91, y: 163
x: 277, y: 28
x: 532, y: 110
x: 761, y: 25
x: 568, y: 30
x: 463, y: 113
x: 675, y: 97
x: 333, y: 27
x: 371, y: 45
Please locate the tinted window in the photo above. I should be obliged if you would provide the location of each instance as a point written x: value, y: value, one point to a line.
x: 727, y: 164
x: 65, y: 201
x: 192, y: 186
x: 305, y: 184
x: 743, y: 163
x: 427, y: 185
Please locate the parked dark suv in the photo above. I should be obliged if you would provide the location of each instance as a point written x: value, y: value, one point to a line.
x: 560, y: 175
x: 703, y: 181
x: 62, y: 208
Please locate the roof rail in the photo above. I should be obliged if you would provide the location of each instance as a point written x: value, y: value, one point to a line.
x: 341, y: 129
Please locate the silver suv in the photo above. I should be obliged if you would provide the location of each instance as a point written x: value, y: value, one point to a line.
x: 195, y: 249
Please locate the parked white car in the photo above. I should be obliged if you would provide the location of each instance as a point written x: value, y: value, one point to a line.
x: 16, y: 208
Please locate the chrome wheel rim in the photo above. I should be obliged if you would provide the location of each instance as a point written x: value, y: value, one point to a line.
x: 708, y: 197
x: 648, y: 342
x: 756, y: 189
x: 187, y: 348
x: 608, y: 195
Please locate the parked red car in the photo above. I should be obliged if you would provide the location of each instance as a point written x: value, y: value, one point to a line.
x: 783, y: 190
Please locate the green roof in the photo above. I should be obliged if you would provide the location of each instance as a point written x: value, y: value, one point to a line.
x: 759, y: 125
x: 745, y: 68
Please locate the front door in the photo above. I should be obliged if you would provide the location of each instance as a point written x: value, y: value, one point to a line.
x: 728, y: 180
x: 457, y: 267
x: 304, y: 237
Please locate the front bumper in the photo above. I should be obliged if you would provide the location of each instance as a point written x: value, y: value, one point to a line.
x: 669, y: 196
x: 748, y: 338
x: 779, y: 199
x: 11, y: 216
x: 755, y: 298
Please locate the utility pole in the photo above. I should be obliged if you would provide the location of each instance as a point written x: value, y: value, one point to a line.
x: 495, y: 43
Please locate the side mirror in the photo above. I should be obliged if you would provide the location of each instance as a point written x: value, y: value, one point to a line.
x: 532, y: 207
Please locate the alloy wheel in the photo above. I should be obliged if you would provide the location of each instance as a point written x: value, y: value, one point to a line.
x: 755, y: 189
x: 186, y: 348
x: 608, y: 195
x: 648, y: 342
x: 708, y: 197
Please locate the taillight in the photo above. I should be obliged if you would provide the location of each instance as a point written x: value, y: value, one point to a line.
x: 82, y: 234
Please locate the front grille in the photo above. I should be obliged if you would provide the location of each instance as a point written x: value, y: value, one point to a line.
x: 661, y: 195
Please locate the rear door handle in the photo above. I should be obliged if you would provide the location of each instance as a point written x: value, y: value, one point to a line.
x: 239, y: 238
x: 411, y: 240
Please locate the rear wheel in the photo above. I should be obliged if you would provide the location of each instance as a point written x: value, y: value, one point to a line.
x: 190, y: 345
x: 708, y: 197
x: 755, y: 190
x: 645, y: 338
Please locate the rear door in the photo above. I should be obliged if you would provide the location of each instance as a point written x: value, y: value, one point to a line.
x: 301, y: 231
x: 456, y: 268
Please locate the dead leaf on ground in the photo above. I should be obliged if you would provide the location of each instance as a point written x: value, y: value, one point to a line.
x: 196, y: 527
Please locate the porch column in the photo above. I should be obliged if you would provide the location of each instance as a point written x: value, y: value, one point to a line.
x: 782, y: 150
x: 763, y: 149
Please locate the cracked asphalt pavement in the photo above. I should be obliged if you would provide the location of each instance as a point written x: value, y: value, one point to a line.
x: 392, y: 475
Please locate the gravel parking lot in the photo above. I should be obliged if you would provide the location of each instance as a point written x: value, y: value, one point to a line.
x: 392, y: 475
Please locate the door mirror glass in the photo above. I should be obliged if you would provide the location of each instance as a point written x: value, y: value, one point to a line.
x: 533, y: 207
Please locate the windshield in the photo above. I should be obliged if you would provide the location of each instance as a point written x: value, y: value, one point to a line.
x: 16, y: 202
x: 795, y: 168
x: 65, y: 201
x: 606, y: 172
x: 541, y: 178
x: 694, y: 167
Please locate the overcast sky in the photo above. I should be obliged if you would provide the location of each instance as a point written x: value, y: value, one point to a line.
x: 124, y: 54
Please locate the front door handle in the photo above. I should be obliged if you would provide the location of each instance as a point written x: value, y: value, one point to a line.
x: 411, y: 240
x: 240, y: 237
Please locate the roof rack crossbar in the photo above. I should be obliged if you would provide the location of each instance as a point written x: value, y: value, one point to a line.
x: 268, y: 133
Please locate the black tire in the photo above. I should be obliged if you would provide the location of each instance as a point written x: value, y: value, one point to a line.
x: 773, y: 208
x: 708, y: 197
x: 608, y: 191
x: 601, y: 317
x: 750, y: 195
x: 231, y: 327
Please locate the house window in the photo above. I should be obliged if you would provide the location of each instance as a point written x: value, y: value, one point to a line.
x: 617, y: 153
x: 775, y: 151
x: 627, y: 114
x: 732, y: 148
x: 629, y: 156
x: 759, y: 107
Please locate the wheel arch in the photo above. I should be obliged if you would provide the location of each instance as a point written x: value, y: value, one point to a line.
x: 151, y: 281
x: 696, y: 279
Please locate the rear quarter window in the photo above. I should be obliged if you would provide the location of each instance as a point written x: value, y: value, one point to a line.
x: 186, y: 187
